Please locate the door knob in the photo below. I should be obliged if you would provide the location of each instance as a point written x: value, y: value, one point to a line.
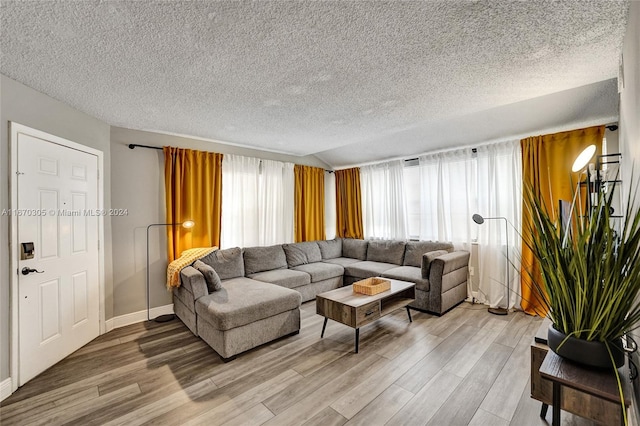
x: 27, y: 271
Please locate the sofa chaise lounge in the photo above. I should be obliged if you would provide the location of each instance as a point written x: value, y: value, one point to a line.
x: 263, y: 287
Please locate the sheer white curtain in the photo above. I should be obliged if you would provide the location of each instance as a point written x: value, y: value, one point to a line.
x: 240, y: 220
x: 447, y: 188
x: 499, y: 189
x: 383, y: 201
x: 276, y: 203
x: 257, y: 202
x: 330, y: 215
x: 454, y: 185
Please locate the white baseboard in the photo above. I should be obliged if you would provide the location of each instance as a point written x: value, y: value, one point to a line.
x: 135, y: 317
x: 5, y: 389
x: 108, y: 325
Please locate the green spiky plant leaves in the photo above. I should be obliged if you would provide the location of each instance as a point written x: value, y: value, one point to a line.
x: 591, y: 281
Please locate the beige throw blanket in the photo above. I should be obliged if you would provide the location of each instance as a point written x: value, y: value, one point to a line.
x: 186, y: 258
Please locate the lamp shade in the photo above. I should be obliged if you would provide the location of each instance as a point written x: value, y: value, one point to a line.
x: 478, y: 219
x: 583, y: 159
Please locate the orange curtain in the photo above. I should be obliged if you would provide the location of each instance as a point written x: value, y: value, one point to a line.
x: 546, y: 163
x: 193, y: 188
x: 309, y: 203
x: 348, y: 204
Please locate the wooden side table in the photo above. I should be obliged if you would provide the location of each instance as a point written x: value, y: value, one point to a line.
x: 601, y: 384
x: 572, y: 400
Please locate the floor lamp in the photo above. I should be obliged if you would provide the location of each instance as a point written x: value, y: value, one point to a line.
x: 167, y: 317
x: 480, y: 220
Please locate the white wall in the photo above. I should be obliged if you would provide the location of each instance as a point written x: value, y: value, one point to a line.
x: 629, y: 132
x: 138, y: 185
x: 24, y: 105
x: 629, y: 138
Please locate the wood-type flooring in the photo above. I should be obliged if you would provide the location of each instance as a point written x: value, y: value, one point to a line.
x: 467, y: 367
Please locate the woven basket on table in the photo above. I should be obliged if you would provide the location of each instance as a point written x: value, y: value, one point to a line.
x: 371, y: 286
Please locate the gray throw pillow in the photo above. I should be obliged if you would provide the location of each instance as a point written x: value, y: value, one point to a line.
x: 210, y: 275
x: 427, y: 259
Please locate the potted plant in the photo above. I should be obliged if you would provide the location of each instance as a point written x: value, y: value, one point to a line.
x: 590, y: 282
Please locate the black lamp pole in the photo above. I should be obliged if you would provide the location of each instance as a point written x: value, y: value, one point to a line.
x: 480, y: 220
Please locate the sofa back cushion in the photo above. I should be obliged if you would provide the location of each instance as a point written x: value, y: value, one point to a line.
x: 259, y: 259
x: 386, y: 251
x: 227, y: 263
x: 355, y: 249
x: 330, y: 249
x: 415, y: 249
x: 302, y: 253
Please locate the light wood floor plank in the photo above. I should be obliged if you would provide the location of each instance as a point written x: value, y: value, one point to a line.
x: 382, y: 408
x: 254, y: 416
x: 162, y: 405
x: 243, y: 402
x: 336, y: 389
x: 421, y: 373
x: 428, y: 401
x: 463, y: 403
x: 465, y: 359
x: 504, y: 396
x: 368, y: 389
x: 326, y: 417
x: 484, y: 418
x: 405, y: 374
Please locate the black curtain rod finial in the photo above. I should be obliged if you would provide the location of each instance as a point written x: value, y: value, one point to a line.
x: 135, y: 145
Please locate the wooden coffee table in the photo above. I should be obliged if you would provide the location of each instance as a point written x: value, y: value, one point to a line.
x: 355, y: 310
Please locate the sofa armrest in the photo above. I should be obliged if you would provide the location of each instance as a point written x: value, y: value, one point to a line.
x: 444, y: 268
x: 451, y: 261
x: 193, y: 281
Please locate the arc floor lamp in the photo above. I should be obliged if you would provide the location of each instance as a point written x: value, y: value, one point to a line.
x: 480, y: 220
x: 167, y: 317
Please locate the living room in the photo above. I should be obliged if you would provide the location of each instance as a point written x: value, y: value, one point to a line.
x: 106, y: 108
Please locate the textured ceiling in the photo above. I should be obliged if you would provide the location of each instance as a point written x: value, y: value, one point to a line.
x: 348, y: 81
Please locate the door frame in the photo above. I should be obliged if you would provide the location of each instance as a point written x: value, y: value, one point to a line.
x: 14, y: 130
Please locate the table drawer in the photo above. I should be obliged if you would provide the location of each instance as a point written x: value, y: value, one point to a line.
x: 367, y: 313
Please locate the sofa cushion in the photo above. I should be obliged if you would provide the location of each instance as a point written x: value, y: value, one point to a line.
x: 302, y: 253
x: 367, y: 269
x: 227, y: 263
x: 330, y: 249
x: 428, y: 258
x: 210, y: 276
x: 283, y: 277
x: 387, y: 251
x: 342, y: 261
x: 408, y: 273
x: 320, y: 271
x: 355, y: 249
x: 258, y: 259
x: 415, y: 249
x: 242, y: 301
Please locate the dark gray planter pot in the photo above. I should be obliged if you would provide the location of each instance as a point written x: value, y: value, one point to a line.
x: 586, y: 352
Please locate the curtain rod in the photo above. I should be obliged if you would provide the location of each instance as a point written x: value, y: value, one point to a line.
x: 134, y: 145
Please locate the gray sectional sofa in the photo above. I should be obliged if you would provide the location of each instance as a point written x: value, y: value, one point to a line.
x: 263, y: 287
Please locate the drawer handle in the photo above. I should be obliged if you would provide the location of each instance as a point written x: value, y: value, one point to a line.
x: 366, y: 314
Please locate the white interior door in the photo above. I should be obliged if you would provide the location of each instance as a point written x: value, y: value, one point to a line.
x: 58, y: 306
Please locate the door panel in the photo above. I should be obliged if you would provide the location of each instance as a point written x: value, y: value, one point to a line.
x: 58, y: 307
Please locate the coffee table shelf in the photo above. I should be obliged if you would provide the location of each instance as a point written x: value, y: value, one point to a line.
x: 355, y: 310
